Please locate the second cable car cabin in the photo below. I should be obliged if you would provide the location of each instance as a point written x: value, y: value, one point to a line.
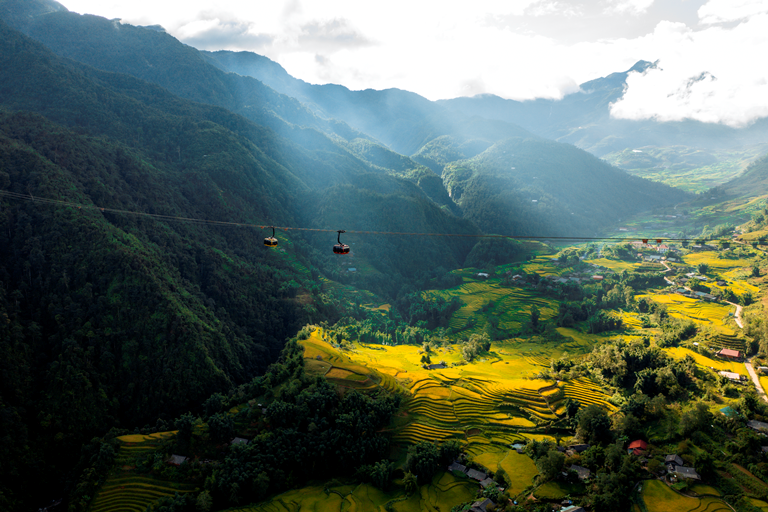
x: 340, y: 248
x: 271, y: 241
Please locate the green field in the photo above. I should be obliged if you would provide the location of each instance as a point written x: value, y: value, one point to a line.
x: 512, y: 305
x: 691, y: 169
x: 444, y: 492
x: 660, y: 498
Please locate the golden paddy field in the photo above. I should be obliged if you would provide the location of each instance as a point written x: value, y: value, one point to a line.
x: 615, y: 265
x: 660, y: 498
x: 445, y: 491
x: 716, y: 315
x: 714, y: 262
x: 511, y: 305
x: 488, y: 404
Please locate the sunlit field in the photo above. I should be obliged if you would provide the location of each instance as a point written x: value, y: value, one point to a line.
x: 716, y: 363
x: 714, y: 262
x: 615, y: 265
x: 445, y: 491
x: 715, y: 315
x: 512, y: 305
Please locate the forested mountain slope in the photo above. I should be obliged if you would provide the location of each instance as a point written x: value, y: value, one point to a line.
x: 538, y: 187
x: 752, y: 183
x: 159, y: 58
x: 118, y: 320
x: 400, y: 119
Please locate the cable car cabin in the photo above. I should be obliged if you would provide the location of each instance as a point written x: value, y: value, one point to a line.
x: 340, y: 248
x: 271, y: 241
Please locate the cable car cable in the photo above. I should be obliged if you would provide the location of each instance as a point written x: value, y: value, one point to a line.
x: 192, y: 220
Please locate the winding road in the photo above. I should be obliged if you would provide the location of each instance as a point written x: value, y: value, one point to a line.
x: 740, y: 322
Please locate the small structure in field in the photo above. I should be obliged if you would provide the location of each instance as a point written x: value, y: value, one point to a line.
x: 476, y: 475
x: 730, y: 376
x: 729, y: 353
x: 583, y: 472
x: 176, y: 460
x: 684, y: 472
x: 481, y: 505
x: 759, y: 426
x: 637, y: 447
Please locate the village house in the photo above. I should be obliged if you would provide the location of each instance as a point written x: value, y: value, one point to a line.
x: 730, y: 376
x: 637, y: 447
x: 684, y: 472
x: 476, y: 475
x: 572, y: 508
x: 583, y: 472
x: 730, y: 354
x: 481, y: 505
x: 758, y: 426
x: 485, y: 483
x: 674, y: 460
x: 455, y: 466
x: 239, y: 440
x: 176, y: 460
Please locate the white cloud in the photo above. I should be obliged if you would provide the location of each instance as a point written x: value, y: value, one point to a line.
x: 444, y: 50
x: 552, y: 7
x: 719, y: 11
x: 713, y: 75
x: 633, y: 7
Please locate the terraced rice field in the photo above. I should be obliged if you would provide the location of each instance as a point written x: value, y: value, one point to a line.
x: 707, y: 362
x: 714, y: 262
x: 705, y: 313
x: 660, y: 498
x: 444, y: 492
x: 586, y: 392
x: 615, y: 265
x: 511, y: 305
x: 520, y: 469
x: 544, y: 266
x: 126, y: 491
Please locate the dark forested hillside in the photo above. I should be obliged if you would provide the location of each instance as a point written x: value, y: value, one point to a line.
x: 111, y: 319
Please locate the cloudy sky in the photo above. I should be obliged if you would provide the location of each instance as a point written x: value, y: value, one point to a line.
x: 710, y: 53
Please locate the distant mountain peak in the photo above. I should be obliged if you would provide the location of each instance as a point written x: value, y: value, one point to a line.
x: 30, y: 8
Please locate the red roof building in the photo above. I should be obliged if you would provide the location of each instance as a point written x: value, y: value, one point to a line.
x: 732, y: 354
x: 637, y: 447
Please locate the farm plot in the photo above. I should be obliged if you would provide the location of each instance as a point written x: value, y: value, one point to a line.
x: 660, y: 498
x: 705, y: 313
x: 511, y: 305
x: 127, y: 491
x: 444, y: 492
x: 586, y: 392
x: 708, y: 362
x: 615, y: 265
x: 714, y: 262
